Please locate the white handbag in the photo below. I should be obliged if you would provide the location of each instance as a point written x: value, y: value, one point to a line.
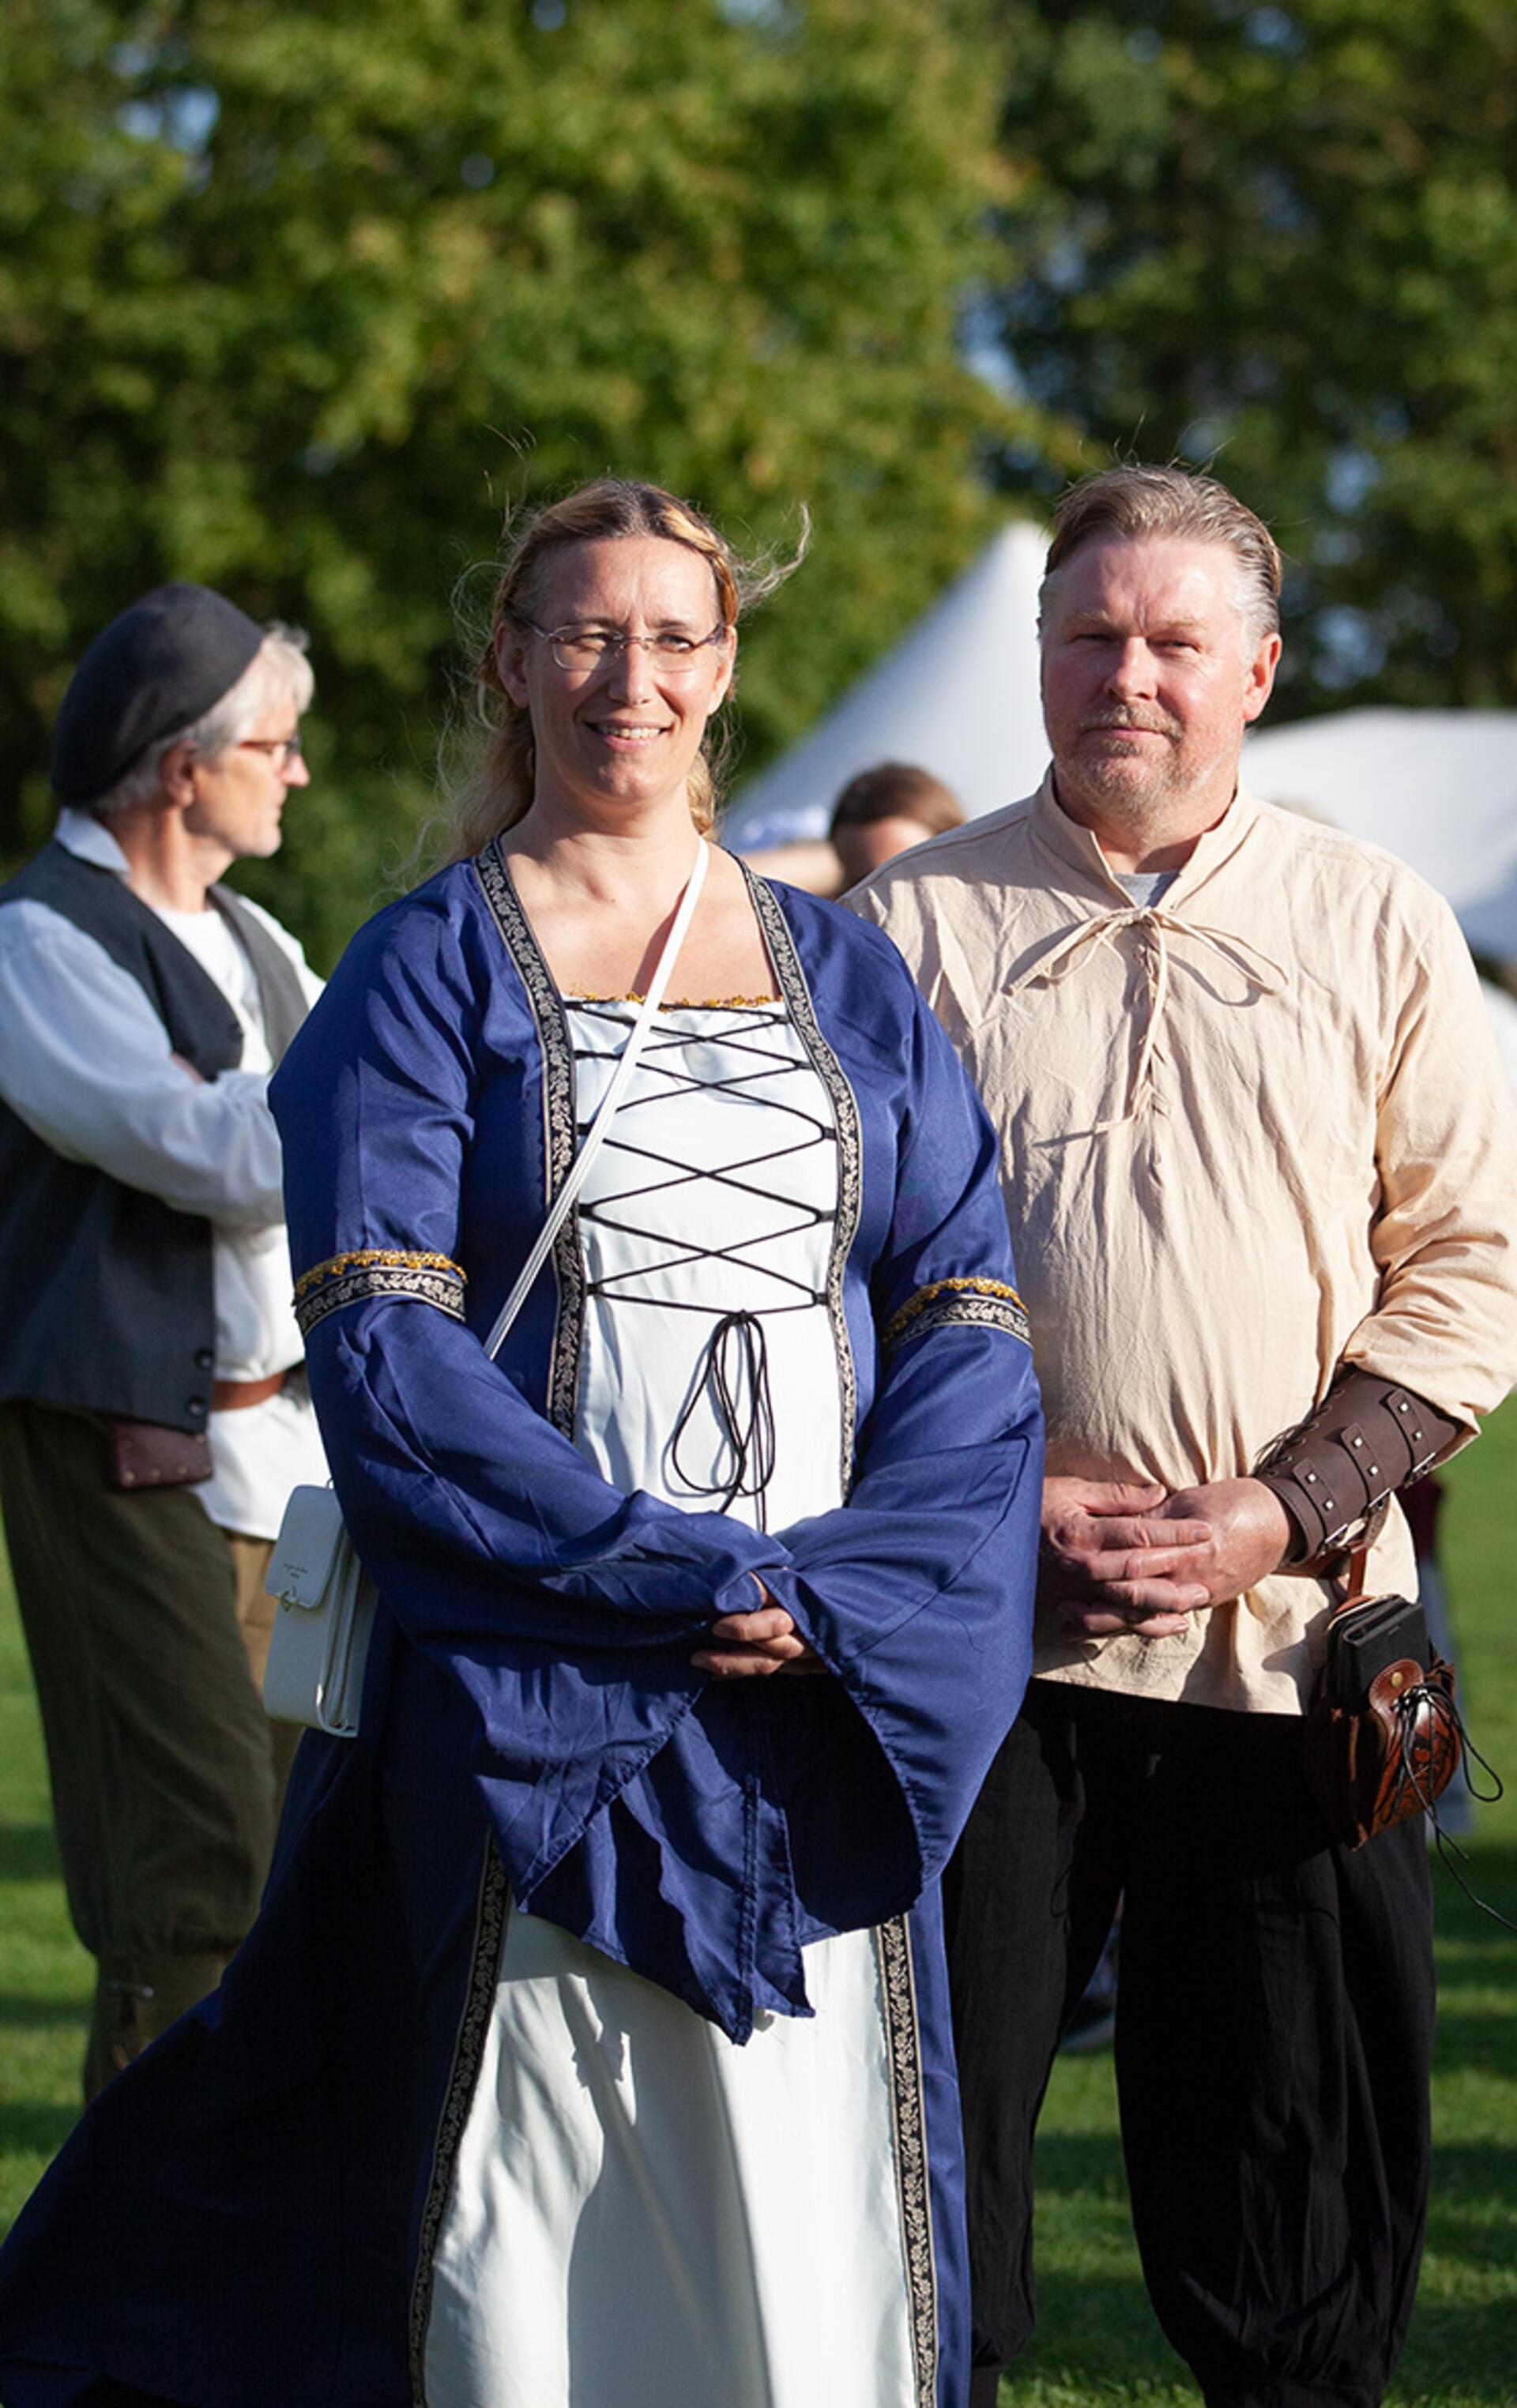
x: 320, y: 1638
x: 320, y: 1643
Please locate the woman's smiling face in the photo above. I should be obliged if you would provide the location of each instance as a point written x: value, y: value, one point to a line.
x: 625, y: 729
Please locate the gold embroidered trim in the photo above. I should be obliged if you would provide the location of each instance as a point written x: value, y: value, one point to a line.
x: 560, y: 1131
x: 491, y: 1918
x: 900, y: 1322
x: 687, y: 1002
x: 909, y: 2133
x: 967, y: 1312
x: 389, y: 1275
x: 363, y: 1256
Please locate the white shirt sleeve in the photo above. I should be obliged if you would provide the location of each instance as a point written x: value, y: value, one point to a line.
x: 85, y: 1062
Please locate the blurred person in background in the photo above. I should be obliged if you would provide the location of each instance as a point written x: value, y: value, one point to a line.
x: 880, y: 814
x: 153, y: 1416
x: 593, y: 2045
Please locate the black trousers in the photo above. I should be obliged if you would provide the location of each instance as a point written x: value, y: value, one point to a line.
x: 1274, y: 2036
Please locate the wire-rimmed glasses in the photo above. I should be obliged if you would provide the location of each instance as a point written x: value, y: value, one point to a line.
x: 586, y: 649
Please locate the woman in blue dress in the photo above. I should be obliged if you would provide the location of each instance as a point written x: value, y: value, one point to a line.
x: 592, y: 2045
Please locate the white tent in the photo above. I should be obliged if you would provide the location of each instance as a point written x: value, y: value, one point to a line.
x: 1438, y: 788
x: 958, y: 695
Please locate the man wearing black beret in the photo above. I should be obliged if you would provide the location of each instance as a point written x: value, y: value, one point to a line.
x: 153, y: 1414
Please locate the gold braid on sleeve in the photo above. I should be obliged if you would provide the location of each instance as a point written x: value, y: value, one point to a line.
x: 957, y: 1303
x: 377, y: 1270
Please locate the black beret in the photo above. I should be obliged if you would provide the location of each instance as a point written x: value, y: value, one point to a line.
x: 161, y: 665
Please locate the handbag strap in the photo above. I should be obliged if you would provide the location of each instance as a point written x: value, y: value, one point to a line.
x: 562, y: 1203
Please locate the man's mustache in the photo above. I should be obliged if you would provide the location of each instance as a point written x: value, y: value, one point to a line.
x: 1152, y: 725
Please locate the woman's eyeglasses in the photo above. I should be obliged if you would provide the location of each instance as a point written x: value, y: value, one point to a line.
x: 587, y: 648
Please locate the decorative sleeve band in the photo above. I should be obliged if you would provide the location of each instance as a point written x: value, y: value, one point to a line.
x: 949, y: 1303
x: 377, y: 1270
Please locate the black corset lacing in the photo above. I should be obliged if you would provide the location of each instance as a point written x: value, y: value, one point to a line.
x: 733, y: 1369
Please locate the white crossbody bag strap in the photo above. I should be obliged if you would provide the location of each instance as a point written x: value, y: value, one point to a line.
x: 564, y: 1201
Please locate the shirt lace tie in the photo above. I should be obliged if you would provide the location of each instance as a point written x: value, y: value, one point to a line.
x: 1081, y: 943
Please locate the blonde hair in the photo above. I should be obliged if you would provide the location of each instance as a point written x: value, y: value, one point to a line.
x: 1135, y: 503
x: 497, y: 791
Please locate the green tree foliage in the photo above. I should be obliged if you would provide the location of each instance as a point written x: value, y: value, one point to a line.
x: 1285, y: 236
x: 293, y: 297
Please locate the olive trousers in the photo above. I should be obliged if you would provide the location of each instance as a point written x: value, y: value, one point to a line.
x: 147, y: 1629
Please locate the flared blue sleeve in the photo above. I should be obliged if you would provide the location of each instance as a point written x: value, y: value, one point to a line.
x: 697, y: 1831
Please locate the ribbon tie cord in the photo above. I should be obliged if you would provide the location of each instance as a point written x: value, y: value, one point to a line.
x: 1080, y: 943
x: 737, y: 1375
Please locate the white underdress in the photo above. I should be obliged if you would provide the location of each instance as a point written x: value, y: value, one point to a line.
x: 643, y: 2215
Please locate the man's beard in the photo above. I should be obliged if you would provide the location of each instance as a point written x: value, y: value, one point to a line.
x: 1108, y: 779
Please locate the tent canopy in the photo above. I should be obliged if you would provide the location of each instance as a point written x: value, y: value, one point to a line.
x: 1438, y: 788
x: 957, y: 695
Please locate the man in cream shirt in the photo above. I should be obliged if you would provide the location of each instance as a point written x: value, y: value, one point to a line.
x: 152, y: 1414
x: 1260, y: 1164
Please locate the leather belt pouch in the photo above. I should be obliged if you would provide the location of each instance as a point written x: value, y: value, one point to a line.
x: 149, y: 1454
x: 1365, y: 1641
x: 1381, y: 1738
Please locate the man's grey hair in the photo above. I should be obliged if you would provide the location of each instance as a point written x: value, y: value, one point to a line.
x: 278, y: 672
x: 1137, y: 504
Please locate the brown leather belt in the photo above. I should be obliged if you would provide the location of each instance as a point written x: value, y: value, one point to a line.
x: 232, y: 1396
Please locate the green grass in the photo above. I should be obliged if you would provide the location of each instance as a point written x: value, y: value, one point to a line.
x: 45, y: 1976
x: 1097, y: 2345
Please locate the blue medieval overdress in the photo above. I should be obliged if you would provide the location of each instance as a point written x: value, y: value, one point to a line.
x: 256, y: 2214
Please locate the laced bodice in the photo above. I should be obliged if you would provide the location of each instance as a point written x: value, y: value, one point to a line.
x: 709, y: 1376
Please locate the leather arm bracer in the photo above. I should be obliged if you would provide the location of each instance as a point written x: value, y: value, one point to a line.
x: 1335, y: 1471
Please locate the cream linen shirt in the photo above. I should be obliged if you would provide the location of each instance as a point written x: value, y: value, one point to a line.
x: 1248, y: 1134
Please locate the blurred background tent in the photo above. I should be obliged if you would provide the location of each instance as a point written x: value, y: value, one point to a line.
x: 957, y: 695
x: 1438, y: 788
